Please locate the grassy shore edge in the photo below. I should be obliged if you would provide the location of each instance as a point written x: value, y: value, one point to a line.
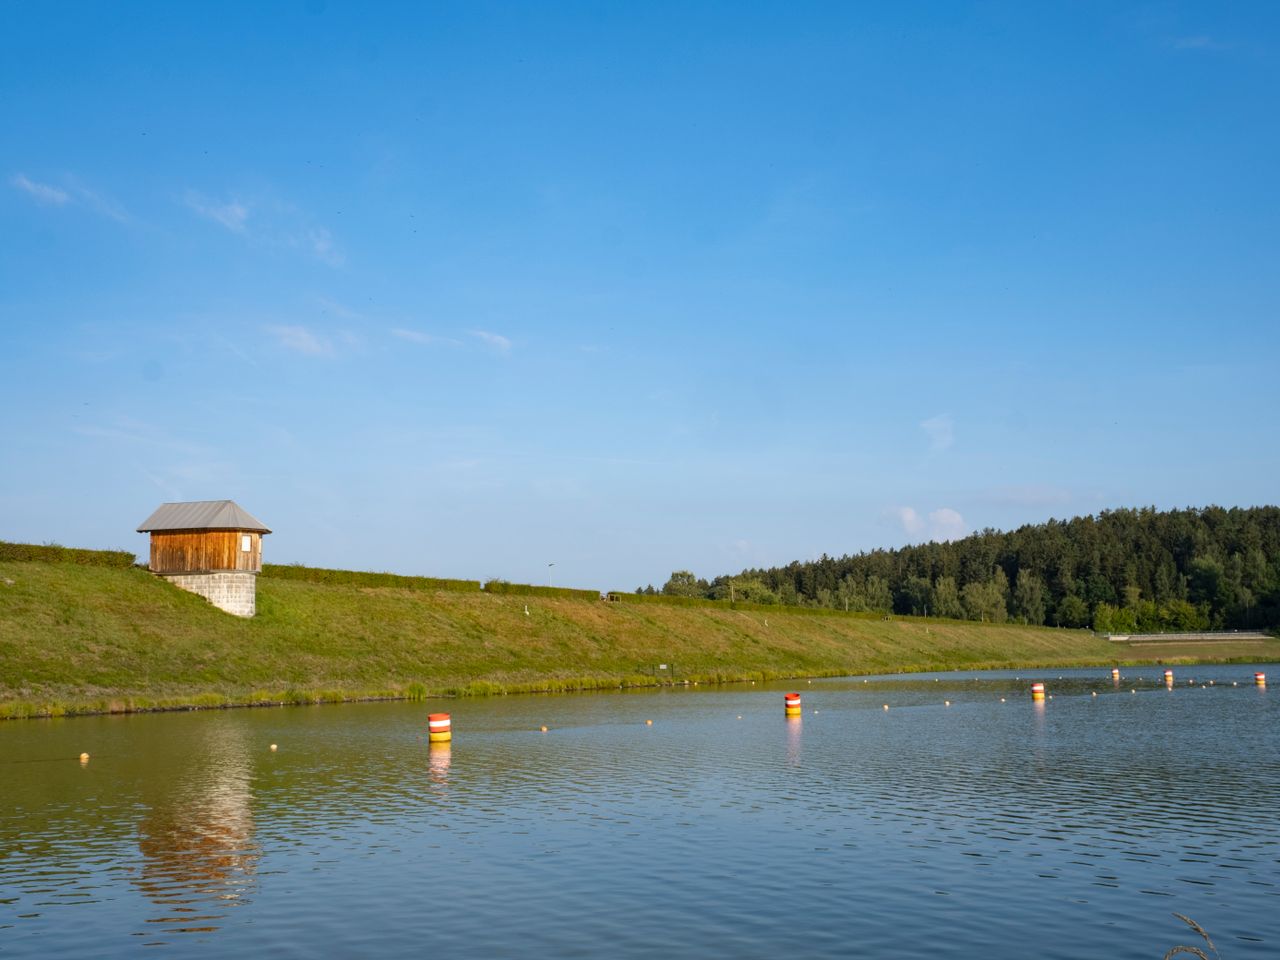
x: 34, y: 710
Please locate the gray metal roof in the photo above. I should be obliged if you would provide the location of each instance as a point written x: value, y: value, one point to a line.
x: 202, y: 515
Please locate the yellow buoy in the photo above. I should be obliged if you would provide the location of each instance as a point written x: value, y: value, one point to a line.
x: 84, y: 758
x: 274, y: 748
x: 543, y: 728
x: 648, y: 723
x: 439, y: 728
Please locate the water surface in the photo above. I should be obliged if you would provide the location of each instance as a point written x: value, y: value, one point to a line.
x: 992, y: 827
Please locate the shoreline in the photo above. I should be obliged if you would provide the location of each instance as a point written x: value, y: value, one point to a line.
x: 132, y: 704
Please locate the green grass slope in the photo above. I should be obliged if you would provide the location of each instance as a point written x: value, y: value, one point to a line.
x: 93, y: 639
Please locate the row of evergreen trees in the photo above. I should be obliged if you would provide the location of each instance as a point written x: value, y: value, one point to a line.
x: 1123, y: 571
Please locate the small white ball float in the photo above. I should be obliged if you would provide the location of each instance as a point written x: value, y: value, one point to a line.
x: 84, y: 758
x: 274, y: 748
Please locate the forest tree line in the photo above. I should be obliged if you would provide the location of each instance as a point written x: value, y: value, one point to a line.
x: 1123, y: 571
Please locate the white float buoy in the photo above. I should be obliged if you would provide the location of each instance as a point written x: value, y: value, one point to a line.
x: 274, y: 747
x: 84, y: 758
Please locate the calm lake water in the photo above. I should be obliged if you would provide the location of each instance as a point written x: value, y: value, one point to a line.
x: 985, y: 829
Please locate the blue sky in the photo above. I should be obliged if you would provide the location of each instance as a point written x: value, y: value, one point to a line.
x: 468, y: 289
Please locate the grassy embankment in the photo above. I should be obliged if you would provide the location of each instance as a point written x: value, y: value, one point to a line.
x: 83, y: 638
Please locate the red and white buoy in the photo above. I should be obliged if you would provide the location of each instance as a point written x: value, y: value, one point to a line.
x: 1037, y: 691
x: 791, y: 702
x: 1115, y: 673
x: 439, y: 728
x: 1260, y: 679
x: 1168, y: 678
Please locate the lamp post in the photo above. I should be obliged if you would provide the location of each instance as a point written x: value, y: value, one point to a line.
x: 549, y: 566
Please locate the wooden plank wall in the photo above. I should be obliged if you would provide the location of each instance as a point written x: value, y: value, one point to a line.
x: 198, y: 551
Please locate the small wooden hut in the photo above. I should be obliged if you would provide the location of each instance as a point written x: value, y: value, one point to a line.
x: 210, y: 547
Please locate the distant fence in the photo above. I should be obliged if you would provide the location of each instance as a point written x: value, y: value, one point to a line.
x: 360, y: 578
x: 53, y: 553
x: 1210, y: 636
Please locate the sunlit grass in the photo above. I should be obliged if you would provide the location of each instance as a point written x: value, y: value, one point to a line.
x: 78, y: 639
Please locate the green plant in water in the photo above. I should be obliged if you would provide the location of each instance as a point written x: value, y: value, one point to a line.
x: 1194, y: 951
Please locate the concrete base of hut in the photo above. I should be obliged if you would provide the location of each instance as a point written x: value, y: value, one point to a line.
x: 236, y: 593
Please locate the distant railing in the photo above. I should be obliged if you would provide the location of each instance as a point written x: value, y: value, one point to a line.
x: 1207, y: 636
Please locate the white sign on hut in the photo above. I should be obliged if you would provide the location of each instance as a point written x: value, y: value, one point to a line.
x: 210, y: 547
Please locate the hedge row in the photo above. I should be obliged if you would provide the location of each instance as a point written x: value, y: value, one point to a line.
x: 360, y: 578
x: 52, y: 553
x: 670, y: 601
x: 624, y: 597
x: 529, y: 590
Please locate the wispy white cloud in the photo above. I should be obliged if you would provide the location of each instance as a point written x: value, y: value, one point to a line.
x: 912, y: 522
x: 495, y: 340
x: 42, y: 192
x: 320, y: 241
x: 338, y: 309
x: 417, y: 336
x: 72, y: 193
x: 940, y: 431
x: 1200, y: 42
x: 99, y: 203
x: 233, y: 214
x: 946, y: 524
x: 269, y: 223
x: 300, y: 339
x: 940, y: 525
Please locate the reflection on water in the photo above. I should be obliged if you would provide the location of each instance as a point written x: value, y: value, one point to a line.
x: 440, y: 755
x: 196, y: 837
x: 965, y: 820
x: 795, y: 726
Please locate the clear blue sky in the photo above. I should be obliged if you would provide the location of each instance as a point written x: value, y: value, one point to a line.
x: 467, y: 289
